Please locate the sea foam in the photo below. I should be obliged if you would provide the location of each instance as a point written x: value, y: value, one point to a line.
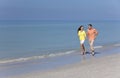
x: 36, y: 57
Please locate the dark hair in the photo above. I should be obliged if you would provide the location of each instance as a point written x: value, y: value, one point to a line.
x: 79, y: 28
x: 90, y: 25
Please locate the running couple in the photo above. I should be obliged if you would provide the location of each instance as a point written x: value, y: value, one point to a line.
x: 91, y: 35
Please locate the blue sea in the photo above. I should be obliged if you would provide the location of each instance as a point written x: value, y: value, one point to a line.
x: 22, y: 40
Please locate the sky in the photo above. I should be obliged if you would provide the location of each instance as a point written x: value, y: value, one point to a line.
x: 59, y: 9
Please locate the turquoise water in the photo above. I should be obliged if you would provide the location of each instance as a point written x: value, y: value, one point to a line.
x: 37, y: 39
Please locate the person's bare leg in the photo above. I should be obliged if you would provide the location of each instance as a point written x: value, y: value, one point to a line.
x: 91, y: 46
x: 82, y: 49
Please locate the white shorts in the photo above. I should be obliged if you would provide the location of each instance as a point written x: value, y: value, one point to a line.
x: 82, y: 41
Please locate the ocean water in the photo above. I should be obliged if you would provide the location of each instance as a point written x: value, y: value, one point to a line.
x: 28, y: 40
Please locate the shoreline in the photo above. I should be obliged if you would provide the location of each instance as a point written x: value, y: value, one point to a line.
x: 106, y: 67
x: 23, y: 69
x: 55, y: 54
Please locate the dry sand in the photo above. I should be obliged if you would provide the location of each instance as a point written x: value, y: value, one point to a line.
x: 104, y: 67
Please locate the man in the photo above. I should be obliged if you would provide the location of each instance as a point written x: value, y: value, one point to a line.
x: 92, y: 34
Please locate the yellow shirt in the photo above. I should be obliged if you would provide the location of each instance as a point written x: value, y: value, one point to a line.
x: 82, y: 35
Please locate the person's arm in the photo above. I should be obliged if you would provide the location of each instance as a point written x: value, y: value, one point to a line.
x: 96, y: 32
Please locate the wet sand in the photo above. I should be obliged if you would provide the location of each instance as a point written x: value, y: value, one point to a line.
x: 105, y: 64
x: 104, y: 67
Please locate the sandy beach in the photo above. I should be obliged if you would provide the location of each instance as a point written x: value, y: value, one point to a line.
x: 104, y: 67
x: 45, y: 39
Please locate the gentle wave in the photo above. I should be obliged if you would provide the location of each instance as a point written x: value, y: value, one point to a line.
x: 41, y: 56
x: 98, y: 47
x: 36, y: 57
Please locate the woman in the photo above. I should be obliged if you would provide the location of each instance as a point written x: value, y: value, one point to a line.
x: 82, y: 37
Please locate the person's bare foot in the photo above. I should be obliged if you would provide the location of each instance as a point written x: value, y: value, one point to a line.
x: 93, y: 53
